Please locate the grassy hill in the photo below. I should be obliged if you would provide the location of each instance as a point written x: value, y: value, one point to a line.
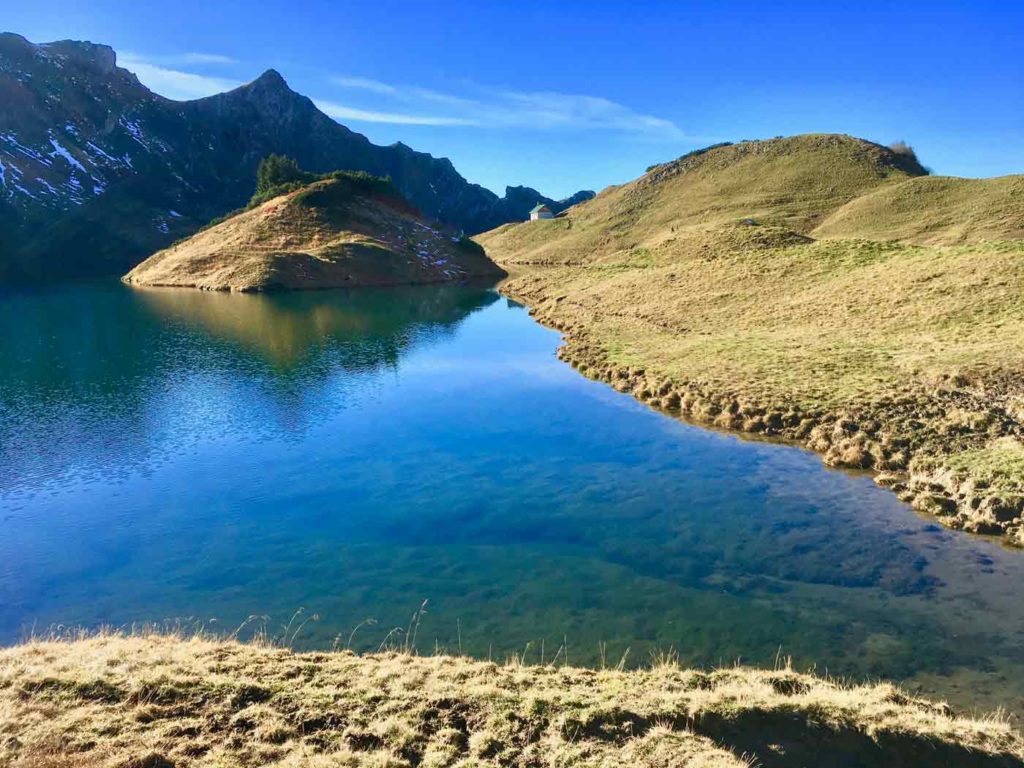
x: 793, y: 183
x: 161, y: 702
x: 343, y: 231
x: 936, y: 210
x: 815, y: 288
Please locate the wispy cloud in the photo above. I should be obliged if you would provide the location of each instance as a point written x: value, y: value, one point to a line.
x: 542, y: 110
x: 364, y: 84
x: 174, y: 83
x: 565, y: 110
x: 381, y: 102
x: 341, y: 112
x: 205, y: 58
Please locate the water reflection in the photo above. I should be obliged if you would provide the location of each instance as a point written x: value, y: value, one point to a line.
x: 288, y: 329
x: 112, y: 373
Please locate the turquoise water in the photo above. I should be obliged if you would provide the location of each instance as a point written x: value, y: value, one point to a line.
x: 196, y: 459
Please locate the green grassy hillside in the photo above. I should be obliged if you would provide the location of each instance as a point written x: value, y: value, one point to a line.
x: 793, y: 287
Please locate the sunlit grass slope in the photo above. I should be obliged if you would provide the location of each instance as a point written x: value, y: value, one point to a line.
x: 794, y: 183
x: 936, y: 210
x: 158, y: 701
x: 816, y: 288
x: 338, y: 232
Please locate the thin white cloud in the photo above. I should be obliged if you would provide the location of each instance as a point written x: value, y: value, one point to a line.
x: 437, y: 97
x: 548, y: 109
x: 173, y: 83
x: 342, y: 112
x: 543, y: 110
x: 205, y: 58
x: 538, y: 111
x: 364, y: 84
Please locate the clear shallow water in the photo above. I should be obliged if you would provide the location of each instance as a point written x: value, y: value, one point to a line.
x: 177, y: 455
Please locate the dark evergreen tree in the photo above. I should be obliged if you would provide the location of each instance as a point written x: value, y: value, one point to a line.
x: 276, y: 170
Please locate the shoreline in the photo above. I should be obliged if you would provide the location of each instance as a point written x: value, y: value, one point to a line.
x: 164, y: 701
x: 855, y: 440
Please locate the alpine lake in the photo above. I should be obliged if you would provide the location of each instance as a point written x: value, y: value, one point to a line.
x: 315, y: 466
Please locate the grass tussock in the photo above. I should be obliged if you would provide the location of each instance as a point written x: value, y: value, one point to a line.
x: 155, y: 701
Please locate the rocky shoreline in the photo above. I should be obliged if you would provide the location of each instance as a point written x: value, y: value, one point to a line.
x: 897, y: 438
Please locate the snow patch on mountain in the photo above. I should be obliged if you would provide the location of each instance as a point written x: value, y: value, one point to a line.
x: 134, y: 130
x: 12, y: 141
x: 25, y: 191
x: 49, y: 189
x: 101, y: 153
x: 60, y: 149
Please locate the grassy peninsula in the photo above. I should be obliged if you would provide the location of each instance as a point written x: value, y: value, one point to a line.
x: 157, y: 701
x: 819, y: 288
x: 338, y: 230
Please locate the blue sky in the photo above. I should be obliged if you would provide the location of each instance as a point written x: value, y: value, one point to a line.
x: 568, y: 95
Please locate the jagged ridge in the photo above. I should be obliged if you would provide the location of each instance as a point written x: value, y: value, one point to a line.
x: 96, y: 171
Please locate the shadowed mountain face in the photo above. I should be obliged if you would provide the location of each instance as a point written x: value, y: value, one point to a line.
x: 97, y: 172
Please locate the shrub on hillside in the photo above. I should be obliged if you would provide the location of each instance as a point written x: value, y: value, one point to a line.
x: 905, y: 151
x: 277, y: 170
x: 347, y: 184
x: 280, y: 175
x: 366, y: 183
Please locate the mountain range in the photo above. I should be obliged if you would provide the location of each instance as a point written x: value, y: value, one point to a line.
x: 97, y: 171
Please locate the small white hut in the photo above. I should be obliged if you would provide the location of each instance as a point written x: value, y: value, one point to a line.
x: 541, y: 211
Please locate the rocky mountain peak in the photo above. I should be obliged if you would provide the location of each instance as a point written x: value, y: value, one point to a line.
x: 93, y: 163
x: 271, y: 80
x: 100, y: 58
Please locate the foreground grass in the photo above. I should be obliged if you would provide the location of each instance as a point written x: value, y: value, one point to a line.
x: 749, y: 288
x: 156, y: 701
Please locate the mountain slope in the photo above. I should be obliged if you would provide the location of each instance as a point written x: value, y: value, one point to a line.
x: 701, y: 289
x: 793, y: 183
x: 96, y: 171
x: 344, y: 231
x: 934, y: 210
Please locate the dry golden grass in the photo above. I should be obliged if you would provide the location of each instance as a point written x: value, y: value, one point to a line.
x: 291, y: 243
x: 936, y: 210
x: 793, y: 183
x: 158, y: 701
x: 699, y: 288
